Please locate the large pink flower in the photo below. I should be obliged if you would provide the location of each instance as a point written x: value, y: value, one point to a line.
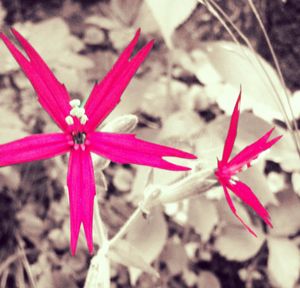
x: 78, y: 125
x: 227, y: 169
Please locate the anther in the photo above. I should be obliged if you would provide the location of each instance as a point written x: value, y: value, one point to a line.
x: 83, y: 119
x: 69, y: 120
x: 75, y: 103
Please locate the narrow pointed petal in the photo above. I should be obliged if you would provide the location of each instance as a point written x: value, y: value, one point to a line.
x: 102, y: 89
x: 126, y: 149
x: 232, y: 207
x: 51, y: 93
x: 242, y: 191
x: 34, y: 147
x: 253, y: 150
x: 107, y: 94
x: 81, y: 186
x: 232, y: 131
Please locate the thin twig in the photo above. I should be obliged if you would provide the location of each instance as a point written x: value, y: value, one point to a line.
x: 101, y: 230
x: 25, y: 261
x: 124, y: 229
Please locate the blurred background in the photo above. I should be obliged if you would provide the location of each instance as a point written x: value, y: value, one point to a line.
x: 183, y: 95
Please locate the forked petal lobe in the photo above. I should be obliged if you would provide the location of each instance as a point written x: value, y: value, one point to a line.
x: 232, y: 131
x: 81, y: 186
x: 125, y: 148
x: 42, y: 88
x: 107, y: 94
x: 32, y: 148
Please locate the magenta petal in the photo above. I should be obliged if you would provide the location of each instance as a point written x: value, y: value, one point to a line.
x: 125, y: 148
x: 232, y: 131
x: 242, y: 191
x: 34, y: 147
x: 81, y: 185
x: 101, y: 89
x: 44, y: 83
x: 253, y: 150
x: 106, y: 96
x: 232, y: 207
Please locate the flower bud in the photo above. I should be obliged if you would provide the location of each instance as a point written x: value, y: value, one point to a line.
x: 122, y: 124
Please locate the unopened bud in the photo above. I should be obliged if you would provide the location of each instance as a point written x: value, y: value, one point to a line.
x: 192, y: 185
x: 122, y: 124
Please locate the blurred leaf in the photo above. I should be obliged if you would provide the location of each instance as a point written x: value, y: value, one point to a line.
x: 149, y: 236
x: 175, y: 257
x: 296, y: 182
x: 121, y: 37
x: 131, y: 99
x: 208, y: 280
x: 236, y: 69
x: 198, y: 63
x: 170, y: 14
x: 202, y: 216
x: 31, y: 226
x: 11, y: 130
x: 126, y: 254
x: 255, y: 178
x: 145, y: 19
x: 156, y: 101
x: 237, y: 244
x: 284, y: 216
x: 62, y: 280
x: 283, y: 262
x: 126, y: 10
x: 227, y: 217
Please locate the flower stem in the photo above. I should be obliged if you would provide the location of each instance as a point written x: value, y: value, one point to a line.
x: 124, y: 229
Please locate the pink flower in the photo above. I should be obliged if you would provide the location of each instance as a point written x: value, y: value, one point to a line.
x: 78, y: 125
x: 227, y: 170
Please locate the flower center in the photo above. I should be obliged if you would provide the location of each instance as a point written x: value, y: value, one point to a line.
x: 79, y: 138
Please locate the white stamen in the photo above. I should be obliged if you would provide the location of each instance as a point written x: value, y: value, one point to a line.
x: 75, y: 103
x: 73, y: 111
x: 232, y: 182
x: 80, y: 112
x: 69, y: 120
x: 83, y: 119
x: 235, y: 178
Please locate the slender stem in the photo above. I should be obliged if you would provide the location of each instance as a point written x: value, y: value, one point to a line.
x: 124, y: 229
x: 101, y: 230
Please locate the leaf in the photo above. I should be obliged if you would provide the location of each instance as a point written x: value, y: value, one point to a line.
x: 208, y: 280
x: 255, y: 178
x: 285, y: 216
x: 126, y: 254
x: 170, y: 14
x: 237, y: 244
x: 283, y: 262
x: 149, y: 236
x: 175, y: 257
x: 237, y: 69
x: 296, y: 182
x: 198, y: 63
x: 202, y: 216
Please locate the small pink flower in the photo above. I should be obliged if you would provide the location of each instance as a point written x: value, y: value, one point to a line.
x: 79, y: 136
x: 227, y: 169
